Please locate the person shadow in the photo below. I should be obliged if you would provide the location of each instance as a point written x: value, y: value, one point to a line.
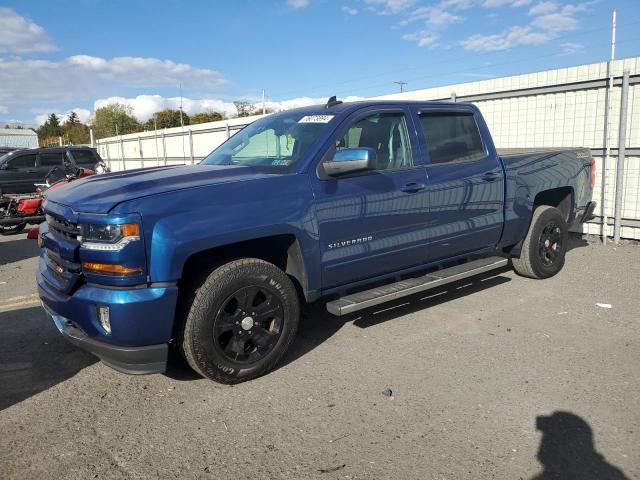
x: 567, y: 450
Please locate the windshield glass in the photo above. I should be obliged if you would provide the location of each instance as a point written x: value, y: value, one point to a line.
x: 275, y: 142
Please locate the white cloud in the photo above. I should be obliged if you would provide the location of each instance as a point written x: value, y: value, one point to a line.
x: 433, y: 16
x: 349, y: 10
x: 548, y: 23
x: 423, y: 38
x: 146, y: 71
x: 20, y: 35
x: 144, y: 106
x: 561, y: 21
x: 298, y: 3
x: 83, y: 114
x: 388, y: 7
x: 26, y: 82
x: 543, y: 8
x: 509, y: 38
x: 570, y: 48
x: 502, y: 3
x: 3, y: 109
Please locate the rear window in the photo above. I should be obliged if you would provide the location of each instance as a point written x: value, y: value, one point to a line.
x: 84, y: 157
x: 451, y: 137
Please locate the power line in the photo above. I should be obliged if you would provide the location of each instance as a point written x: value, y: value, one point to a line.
x: 323, y: 89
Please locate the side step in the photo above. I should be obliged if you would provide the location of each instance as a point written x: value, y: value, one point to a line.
x: 386, y: 293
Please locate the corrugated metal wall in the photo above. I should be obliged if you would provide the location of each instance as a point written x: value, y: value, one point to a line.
x: 556, y: 108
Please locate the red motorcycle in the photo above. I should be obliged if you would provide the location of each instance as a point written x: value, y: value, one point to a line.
x: 19, y: 210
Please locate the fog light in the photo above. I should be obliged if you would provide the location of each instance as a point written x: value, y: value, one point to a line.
x: 103, y: 317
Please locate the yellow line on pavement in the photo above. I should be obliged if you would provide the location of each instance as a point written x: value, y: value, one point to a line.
x: 15, y: 299
x: 10, y: 306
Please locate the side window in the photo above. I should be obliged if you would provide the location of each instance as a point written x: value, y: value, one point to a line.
x: 387, y: 134
x: 83, y: 157
x: 22, y: 162
x: 451, y: 137
x: 51, y: 159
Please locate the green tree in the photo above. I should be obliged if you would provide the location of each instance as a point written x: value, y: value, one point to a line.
x: 76, y: 133
x: 73, y: 119
x: 106, y: 119
x: 167, y: 118
x: 204, y: 117
x: 50, y: 128
x: 244, y: 109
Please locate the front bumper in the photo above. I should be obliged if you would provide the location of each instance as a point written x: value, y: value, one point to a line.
x: 141, y: 322
x: 131, y: 360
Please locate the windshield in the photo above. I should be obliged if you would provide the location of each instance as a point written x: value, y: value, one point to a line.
x: 275, y: 142
x: 4, y: 156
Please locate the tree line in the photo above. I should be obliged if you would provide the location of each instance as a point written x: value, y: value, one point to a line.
x: 117, y: 119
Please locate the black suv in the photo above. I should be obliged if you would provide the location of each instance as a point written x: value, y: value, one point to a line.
x: 20, y: 170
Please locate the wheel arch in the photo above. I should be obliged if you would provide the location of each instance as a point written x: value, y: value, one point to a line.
x: 282, y: 250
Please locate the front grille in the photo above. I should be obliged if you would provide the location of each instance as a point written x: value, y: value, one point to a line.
x: 63, y: 228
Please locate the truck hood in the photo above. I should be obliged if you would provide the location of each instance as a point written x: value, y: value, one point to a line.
x: 100, y: 193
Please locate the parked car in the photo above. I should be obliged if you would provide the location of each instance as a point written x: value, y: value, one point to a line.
x: 5, y: 150
x: 356, y: 204
x: 20, y: 170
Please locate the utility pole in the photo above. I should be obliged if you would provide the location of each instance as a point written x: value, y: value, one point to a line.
x: 607, y: 158
x: 402, y: 84
x: 264, y: 109
x: 181, y: 120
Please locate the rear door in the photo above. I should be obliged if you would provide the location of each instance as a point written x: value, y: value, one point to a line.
x: 466, y: 182
x: 47, y: 161
x: 372, y: 223
x: 20, y: 174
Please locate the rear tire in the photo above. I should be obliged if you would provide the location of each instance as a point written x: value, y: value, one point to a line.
x: 544, y: 248
x: 241, y: 320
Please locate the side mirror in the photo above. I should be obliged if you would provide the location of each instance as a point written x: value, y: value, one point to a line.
x: 350, y: 160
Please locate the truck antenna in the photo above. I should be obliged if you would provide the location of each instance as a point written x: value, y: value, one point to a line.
x: 333, y: 101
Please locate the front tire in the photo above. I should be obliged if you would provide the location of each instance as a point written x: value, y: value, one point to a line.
x: 544, y: 248
x: 240, y: 321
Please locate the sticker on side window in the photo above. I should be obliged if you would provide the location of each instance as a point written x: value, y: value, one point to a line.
x: 316, y: 119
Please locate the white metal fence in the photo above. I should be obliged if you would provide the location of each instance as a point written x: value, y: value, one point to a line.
x: 557, y: 108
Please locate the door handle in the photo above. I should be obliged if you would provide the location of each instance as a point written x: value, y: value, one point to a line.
x: 413, y: 187
x: 490, y: 177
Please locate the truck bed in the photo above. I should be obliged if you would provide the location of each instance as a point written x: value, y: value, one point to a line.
x: 506, y: 152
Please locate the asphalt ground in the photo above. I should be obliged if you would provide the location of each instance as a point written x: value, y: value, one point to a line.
x: 498, y: 377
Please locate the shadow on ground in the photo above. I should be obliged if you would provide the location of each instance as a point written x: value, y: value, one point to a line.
x: 576, y: 240
x: 567, y: 450
x: 16, y: 250
x: 317, y: 325
x: 34, y: 356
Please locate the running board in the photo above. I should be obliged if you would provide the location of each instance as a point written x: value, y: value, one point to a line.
x: 375, y: 296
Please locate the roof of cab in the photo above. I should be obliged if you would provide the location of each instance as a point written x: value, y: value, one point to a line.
x: 348, y: 107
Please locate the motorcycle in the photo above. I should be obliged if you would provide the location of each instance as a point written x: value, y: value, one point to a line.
x: 19, y: 210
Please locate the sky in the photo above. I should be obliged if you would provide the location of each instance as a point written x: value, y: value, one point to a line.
x: 77, y: 55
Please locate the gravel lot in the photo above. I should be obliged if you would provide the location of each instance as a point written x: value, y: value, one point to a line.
x: 471, y: 369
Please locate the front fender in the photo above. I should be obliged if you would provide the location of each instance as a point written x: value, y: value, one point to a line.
x: 182, y: 223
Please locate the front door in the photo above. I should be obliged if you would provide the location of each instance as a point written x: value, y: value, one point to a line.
x: 19, y: 175
x: 373, y: 223
x: 466, y: 183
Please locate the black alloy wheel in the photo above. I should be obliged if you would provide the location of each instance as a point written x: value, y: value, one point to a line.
x: 550, y: 243
x: 248, y: 324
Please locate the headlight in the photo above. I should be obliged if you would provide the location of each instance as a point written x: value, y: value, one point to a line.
x: 109, y: 237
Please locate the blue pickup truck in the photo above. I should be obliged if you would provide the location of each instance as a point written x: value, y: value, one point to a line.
x: 353, y: 203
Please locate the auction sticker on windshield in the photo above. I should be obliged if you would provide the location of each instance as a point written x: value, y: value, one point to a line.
x: 316, y: 119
